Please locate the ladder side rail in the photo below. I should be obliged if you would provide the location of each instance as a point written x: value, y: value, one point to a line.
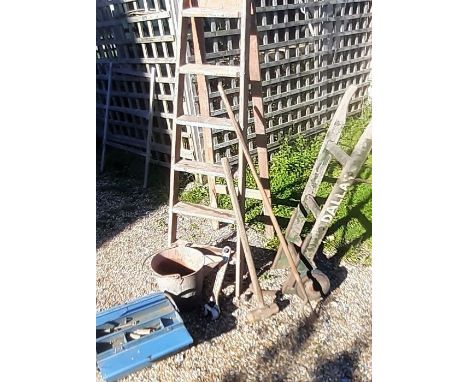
x: 243, y: 123
x: 255, y: 76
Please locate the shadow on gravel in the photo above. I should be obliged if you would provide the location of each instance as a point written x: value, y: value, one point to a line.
x: 289, y: 344
x: 332, y: 268
x: 203, y: 329
x: 341, y: 368
x: 263, y: 258
x: 120, y: 197
x: 293, y: 341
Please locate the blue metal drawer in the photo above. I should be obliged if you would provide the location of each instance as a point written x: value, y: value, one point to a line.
x: 131, y: 336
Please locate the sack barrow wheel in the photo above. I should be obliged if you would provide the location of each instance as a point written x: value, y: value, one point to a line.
x: 317, y: 285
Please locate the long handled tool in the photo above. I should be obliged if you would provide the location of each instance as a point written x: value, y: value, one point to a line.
x: 266, y: 201
x: 264, y: 311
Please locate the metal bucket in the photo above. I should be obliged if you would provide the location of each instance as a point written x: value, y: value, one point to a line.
x: 179, y: 271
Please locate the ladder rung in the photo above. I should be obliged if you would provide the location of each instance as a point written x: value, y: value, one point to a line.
x: 198, y: 210
x: 209, y: 122
x: 195, y: 167
x: 249, y: 192
x: 312, y: 205
x: 210, y: 12
x: 337, y: 152
x: 211, y: 70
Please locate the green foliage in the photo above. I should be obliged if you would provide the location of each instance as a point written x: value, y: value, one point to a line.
x: 196, y: 194
x: 291, y: 164
x: 272, y: 243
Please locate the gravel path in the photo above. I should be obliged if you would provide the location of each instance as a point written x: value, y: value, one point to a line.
x: 330, y: 343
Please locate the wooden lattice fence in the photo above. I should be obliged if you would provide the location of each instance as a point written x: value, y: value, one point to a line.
x: 310, y: 52
x: 136, y: 35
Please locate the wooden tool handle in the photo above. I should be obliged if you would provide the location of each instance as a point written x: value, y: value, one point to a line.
x: 263, y: 194
x: 241, y: 230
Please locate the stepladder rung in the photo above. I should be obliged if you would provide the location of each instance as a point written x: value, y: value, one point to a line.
x: 197, y: 210
x: 211, y: 12
x: 249, y: 192
x: 201, y: 121
x: 337, y: 152
x: 195, y: 167
x: 211, y: 70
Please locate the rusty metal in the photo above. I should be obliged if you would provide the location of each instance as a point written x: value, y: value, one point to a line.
x: 179, y: 272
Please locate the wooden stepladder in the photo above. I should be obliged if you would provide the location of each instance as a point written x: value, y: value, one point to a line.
x: 248, y: 71
x: 352, y: 164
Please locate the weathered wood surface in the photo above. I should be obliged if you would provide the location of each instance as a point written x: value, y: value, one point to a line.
x: 255, y: 79
x: 312, y: 241
x: 191, y: 209
x: 211, y: 12
x: 241, y: 233
x: 208, y: 122
x: 211, y: 70
x: 195, y: 167
x: 249, y: 192
x: 338, y: 153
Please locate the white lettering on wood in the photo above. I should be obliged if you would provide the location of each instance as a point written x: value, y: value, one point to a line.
x: 330, y: 212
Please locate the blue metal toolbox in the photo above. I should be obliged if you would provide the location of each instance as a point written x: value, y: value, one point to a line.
x: 131, y: 336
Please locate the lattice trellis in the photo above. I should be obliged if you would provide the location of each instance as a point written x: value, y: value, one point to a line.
x: 136, y: 35
x: 310, y: 52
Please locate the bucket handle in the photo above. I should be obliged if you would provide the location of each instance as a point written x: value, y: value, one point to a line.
x: 145, y: 259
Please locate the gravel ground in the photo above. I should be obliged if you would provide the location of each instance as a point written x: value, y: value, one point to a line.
x: 329, y: 343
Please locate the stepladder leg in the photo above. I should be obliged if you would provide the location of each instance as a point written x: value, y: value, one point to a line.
x: 244, y: 44
x: 172, y: 229
x: 259, y: 115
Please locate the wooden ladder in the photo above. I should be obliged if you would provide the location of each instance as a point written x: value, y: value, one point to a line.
x: 352, y: 164
x: 248, y: 71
